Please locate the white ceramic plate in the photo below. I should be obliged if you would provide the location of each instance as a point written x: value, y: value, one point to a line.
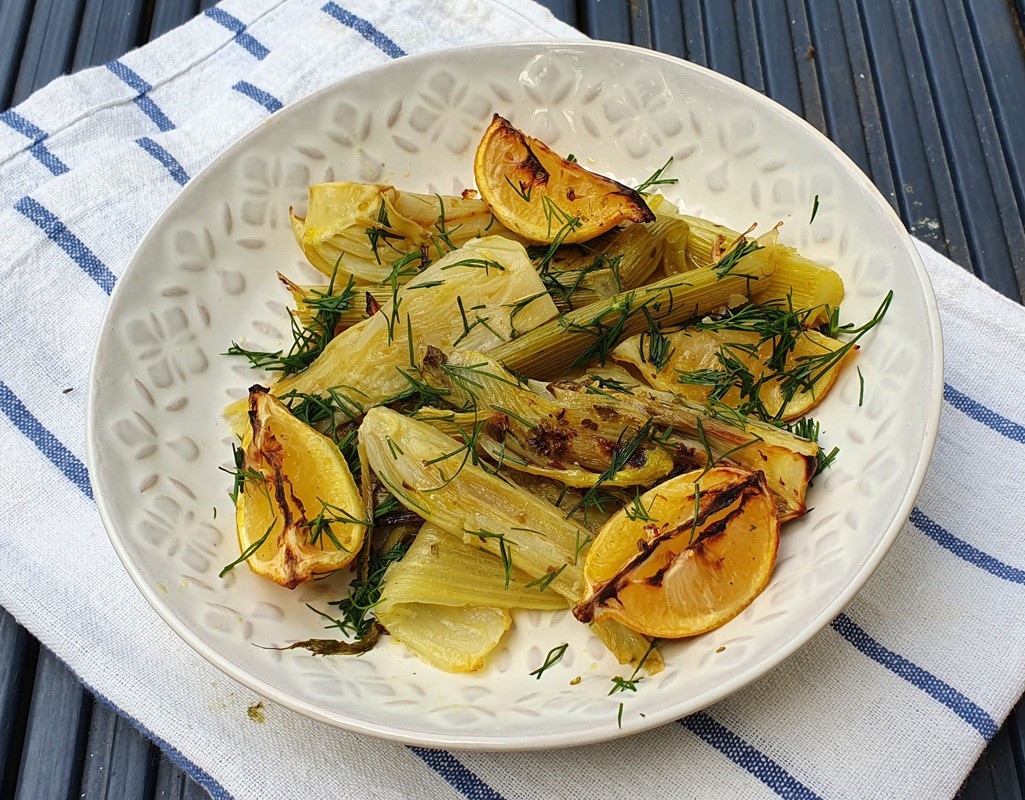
x: 204, y: 276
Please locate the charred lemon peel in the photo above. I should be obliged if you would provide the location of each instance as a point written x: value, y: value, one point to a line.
x: 707, y: 553
x: 544, y: 197
x: 298, y: 509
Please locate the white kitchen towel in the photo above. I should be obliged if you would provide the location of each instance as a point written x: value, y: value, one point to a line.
x: 896, y: 698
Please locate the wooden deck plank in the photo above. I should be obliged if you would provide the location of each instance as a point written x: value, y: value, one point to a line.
x: 55, y: 735
x: 15, y: 16
x: 109, y: 29
x: 18, y: 654
x: 50, y: 45
x: 119, y: 761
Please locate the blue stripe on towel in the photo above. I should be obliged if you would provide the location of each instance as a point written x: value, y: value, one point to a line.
x: 17, y: 122
x: 268, y: 101
x: 744, y: 755
x: 170, y: 162
x: 48, y: 159
x: 458, y: 777
x: 961, y: 549
x: 366, y: 29
x: 142, y: 100
x: 938, y: 689
x: 991, y: 419
x: 236, y: 26
x: 47, y: 444
x: 59, y: 234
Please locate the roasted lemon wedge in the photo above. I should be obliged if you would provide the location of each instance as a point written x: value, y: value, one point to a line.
x: 543, y: 197
x: 298, y: 511
x: 693, y: 363
x: 685, y: 559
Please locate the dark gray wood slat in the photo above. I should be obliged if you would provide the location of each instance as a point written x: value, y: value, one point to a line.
x: 994, y: 147
x: 564, y: 10
x: 120, y: 764
x: 839, y: 95
x: 173, y: 784
x: 169, y: 14
x: 721, y: 41
x: 1016, y: 724
x: 749, y: 41
x: 979, y: 783
x: 55, y: 736
x: 922, y: 108
x: 667, y: 27
x: 999, y: 49
x: 110, y: 28
x: 49, y: 46
x: 874, y: 135
x: 18, y: 655
x: 1000, y: 755
x: 694, y: 31
x: 807, y: 70
x: 917, y: 201
x: 779, y: 55
x: 993, y: 777
x: 15, y: 16
x: 205, y: 4
x: 641, y: 33
x: 605, y: 20
x: 972, y: 183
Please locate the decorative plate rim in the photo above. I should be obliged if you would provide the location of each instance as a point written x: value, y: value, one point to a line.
x: 541, y: 740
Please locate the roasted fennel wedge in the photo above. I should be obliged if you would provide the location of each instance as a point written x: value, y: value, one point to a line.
x: 531, y: 433
x: 362, y: 228
x: 476, y: 297
x: 425, y: 470
x: 448, y: 601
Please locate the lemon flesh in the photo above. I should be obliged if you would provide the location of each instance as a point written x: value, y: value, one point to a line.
x: 693, y: 352
x: 299, y: 510
x: 540, y: 195
x: 671, y: 572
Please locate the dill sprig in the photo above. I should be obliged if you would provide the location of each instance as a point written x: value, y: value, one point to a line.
x: 808, y: 428
x: 365, y: 593
x: 622, y: 454
x: 308, y: 342
x: 382, y: 232
x: 504, y: 549
x: 656, y: 179
x: 728, y: 262
x: 249, y: 551
x: 554, y: 657
x: 660, y: 349
x: 319, y: 528
x: 606, y: 329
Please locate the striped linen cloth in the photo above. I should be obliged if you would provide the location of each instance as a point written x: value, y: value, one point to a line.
x: 896, y: 698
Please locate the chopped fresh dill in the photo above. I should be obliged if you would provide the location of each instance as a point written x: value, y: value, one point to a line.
x: 381, y: 232
x: 814, y: 210
x: 861, y: 388
x: 365, y: 593
x: 622, y: 454
x: 523, y: 190
x: 656, y: 179
x: 729, y: 260
x: 660, y: 349
x: 808, y: 428
x: 545, y: 580
x: 621, y: 684
x: 554, y: 657
x: 249, y: 551
x: 503, y: 550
